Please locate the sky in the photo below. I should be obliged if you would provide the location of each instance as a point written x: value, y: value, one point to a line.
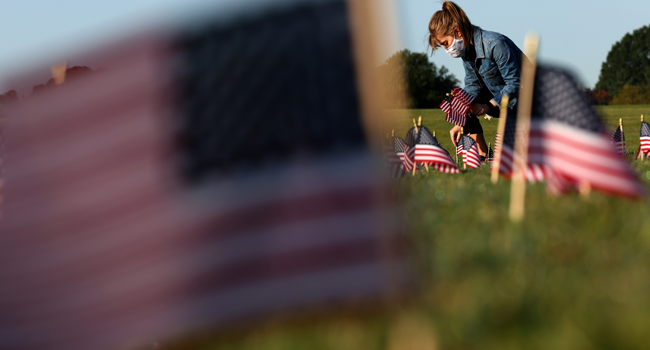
x: 574, y: 34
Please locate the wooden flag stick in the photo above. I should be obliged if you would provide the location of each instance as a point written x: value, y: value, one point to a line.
x: 518, y: 187
x: 426, y: 166
x: 415, y: 165
x: 620, y: 123
x: 58, y: 72
x: 462, y: 132
x: 584, y: 188
x: 641, y: 150
x: 499, y: 146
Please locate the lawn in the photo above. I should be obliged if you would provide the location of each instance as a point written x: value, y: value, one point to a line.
x: 574, y: 275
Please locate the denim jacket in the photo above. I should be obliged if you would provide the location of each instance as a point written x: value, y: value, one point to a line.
x: 498, y: 61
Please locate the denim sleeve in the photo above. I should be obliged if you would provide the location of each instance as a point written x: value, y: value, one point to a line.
x: 509, y: 67
x: 472, y: 86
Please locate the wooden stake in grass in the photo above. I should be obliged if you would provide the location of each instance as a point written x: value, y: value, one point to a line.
x: 462, y: 132
x: 420, y: 121
x: 518, y: 187
x: 620, y: 123
x: 415, y: 165
x: 393, y: 133
x: 498, y: 145
x: 640, y: 150
x: 488, y: 152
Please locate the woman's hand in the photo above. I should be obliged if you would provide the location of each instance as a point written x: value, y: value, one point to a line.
x: 455, y: 134
x: 480, y: 109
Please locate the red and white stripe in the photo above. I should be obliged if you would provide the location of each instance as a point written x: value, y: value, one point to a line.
x: 497, y: 142
x: 446, y: 168
x: 453, y: 116
x: 535, y: 172
x: 433, y: 155
x: 619, y: 146
x: 471, y: 157
x: 644, y: 146
x: 579, y: 156
x: 463, y: 96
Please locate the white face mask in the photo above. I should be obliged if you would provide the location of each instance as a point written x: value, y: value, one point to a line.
x: 456, y: 49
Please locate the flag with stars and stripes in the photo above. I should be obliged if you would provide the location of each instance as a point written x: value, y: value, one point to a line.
x: 535, y: 171
x: 566, y: 135
x: 618, y: 140
x: 393, y: 162
x: 428, y: 151
x: 409, y: 149
x: 402, y: 150
x: 471, y: 156
x: 644, y: 141
x: 131, y: 217
x: 457, y: 106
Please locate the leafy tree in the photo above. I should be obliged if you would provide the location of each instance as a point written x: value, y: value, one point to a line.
x: 599, y: 97
x: 412, y: 74
x: 628, y: 63
x: 632, y: 95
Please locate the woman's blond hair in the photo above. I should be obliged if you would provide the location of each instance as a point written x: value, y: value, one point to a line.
x: 445, y: 21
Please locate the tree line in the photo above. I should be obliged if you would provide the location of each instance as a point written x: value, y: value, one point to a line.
x: 624, y: 76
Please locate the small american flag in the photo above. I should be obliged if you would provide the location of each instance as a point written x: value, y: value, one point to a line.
x: 471, y: 157
x: 618, y: 140
x: 409, y: 148
x: 429, y: 151
x: 644, y: 145
x: 535, y: 170
x: 402, y: 151
x: 457, y: 106
x: 566, y: 135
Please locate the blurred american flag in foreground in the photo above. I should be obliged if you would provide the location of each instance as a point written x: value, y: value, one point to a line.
x: 198, y: 180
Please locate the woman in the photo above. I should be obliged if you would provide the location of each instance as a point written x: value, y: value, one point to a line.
x: 492, y: 65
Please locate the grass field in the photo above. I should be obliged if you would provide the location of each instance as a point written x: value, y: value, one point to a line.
x: 574, y: 275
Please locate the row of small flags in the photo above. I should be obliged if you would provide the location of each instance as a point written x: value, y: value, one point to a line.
x: 421, y: 148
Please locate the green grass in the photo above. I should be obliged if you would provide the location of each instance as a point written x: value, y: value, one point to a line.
x: 574, y: 275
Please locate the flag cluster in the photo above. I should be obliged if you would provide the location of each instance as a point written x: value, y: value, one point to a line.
x: 420, y: 148
x: 428, y: 151
x: 457, y: 105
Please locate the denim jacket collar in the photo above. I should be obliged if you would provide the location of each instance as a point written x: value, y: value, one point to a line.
x: 478, y: 43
